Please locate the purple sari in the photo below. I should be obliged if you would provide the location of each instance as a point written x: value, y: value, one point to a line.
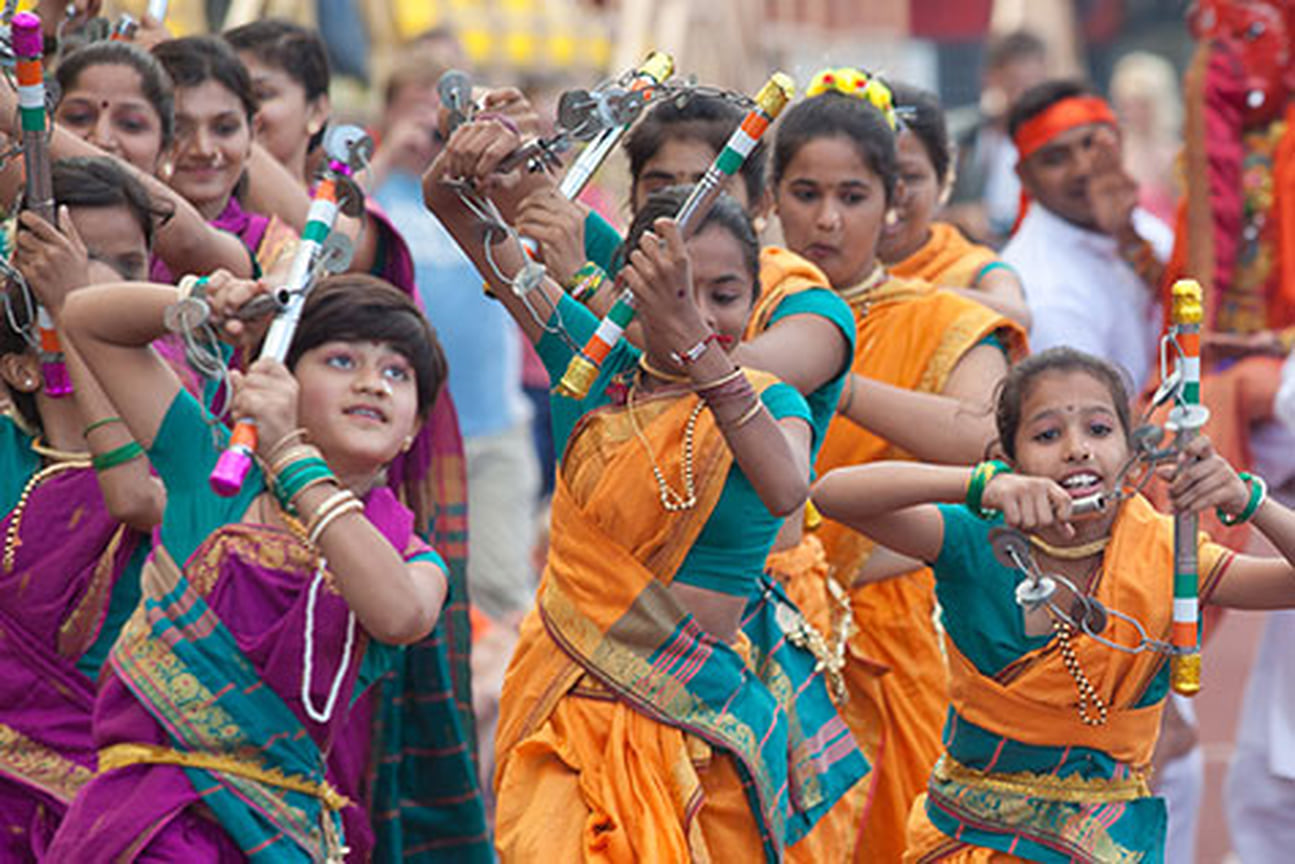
x: 252, y: 581
x: 54, y: 595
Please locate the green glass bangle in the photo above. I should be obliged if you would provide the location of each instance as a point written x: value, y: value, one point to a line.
x: 1258, y: 492
x: 586, y: 281
x: 296, y: 476
x: 117, y: 456
x: 99, y: 424
x: 980, y: 478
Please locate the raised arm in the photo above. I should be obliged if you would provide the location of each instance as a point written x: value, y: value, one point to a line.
x: 773, y: 455
x: 954, y: 427
x: 55, y: 264
x: 472, y: 153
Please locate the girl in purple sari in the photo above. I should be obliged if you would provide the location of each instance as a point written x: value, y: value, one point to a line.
x: 437, y: 806
x: 78, y: 503
x: 264, y: 615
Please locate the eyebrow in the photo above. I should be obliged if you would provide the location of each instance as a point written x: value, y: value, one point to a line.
x: 1087, y: 409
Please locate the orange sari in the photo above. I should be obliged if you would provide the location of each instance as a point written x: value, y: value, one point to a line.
x: 1030, y: 707
x: 947, y: 258
x: 910, y: 335
x: 643, y: 737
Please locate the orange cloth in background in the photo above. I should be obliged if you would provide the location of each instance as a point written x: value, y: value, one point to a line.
x: 910, y: 335
x: 947, y: 258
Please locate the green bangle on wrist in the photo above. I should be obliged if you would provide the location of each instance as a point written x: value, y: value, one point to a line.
x: 1258, y: 492
x: 293, y: 478
x: 99, y: 424
x: 980, y: 477
x: 117, y: 456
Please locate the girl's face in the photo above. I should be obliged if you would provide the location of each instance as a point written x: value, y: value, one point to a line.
x: 113, y: 236
x: 916, y: 200
x: 723, y: 285
x: 1070, y: 431
x: 212, y: 143
x: 832, y: 206
x: 106, y: 106
x: 680, y: 162
x: 359, y: 401
x: 286, y: 119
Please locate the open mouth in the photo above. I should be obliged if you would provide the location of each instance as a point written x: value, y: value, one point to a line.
x: 367, y: 412
x: 1081, y: 484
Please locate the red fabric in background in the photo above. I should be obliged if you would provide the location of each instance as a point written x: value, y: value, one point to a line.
x: 942, y: 21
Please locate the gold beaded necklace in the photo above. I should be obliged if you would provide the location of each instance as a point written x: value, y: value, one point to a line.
x: 671, y: 501
x: 1089, y: 699
x: 1070, y: 553
x: 60, y: 461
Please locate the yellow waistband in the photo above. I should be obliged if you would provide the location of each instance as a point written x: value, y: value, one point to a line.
x: 123, y: 755
x: 1073, y: 789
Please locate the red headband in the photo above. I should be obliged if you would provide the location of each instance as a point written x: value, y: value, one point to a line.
x: 1060, y: 117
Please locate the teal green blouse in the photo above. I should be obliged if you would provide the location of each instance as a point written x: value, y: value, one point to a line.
x: 17, y: 462
x: 730, y: 551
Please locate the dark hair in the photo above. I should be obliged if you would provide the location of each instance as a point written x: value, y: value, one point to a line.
x: 921, y: 113
x: 83, y: 181
x: 101, y: 181
x: 836, y: 114
x: 1040, y: 98
x: 357, y: 307
x: 1014, y: 46
x: 1017, y: 384
x: 708, y: 119
x: 153, y: 80
x: 725, y: 213
x: 297, y: 51
x: 195, y: 60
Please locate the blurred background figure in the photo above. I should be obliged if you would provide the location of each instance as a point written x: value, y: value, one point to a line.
x: 1146, y: 97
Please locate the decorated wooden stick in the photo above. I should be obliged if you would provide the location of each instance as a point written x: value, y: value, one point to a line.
x: 330, y: 196
x: 1186, y: 419
x: 772, y: 98
x: 38, y: 195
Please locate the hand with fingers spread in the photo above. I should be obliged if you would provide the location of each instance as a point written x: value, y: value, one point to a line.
x: 1113, y: 193
x: 54, y: 262
x: 1201, y: 479
x: 266, y: 394
x: 558, y: 225
x: 660, y: 275
x: 1028, y: 502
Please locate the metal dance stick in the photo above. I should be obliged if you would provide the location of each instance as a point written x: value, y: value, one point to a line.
x: 772, y: 98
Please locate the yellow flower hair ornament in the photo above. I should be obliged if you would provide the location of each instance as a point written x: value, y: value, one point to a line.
x: 857, y: 83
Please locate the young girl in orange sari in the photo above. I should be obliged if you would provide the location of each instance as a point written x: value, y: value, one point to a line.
x: 1050, y: 733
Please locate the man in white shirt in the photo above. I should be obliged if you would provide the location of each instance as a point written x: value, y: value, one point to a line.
x: 1088, y: 257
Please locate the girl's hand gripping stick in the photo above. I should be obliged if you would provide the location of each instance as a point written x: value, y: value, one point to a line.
x: 348, y: 147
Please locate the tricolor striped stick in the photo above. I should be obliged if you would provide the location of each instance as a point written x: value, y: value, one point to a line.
x: 655, y: 69
x: 38, y: 195
x: 769, y: 102
x: 1186, y: 419
x: 232, y: 466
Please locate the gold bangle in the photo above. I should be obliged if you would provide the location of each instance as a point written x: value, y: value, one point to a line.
x: 352, y: 506
x: 750, y: 414
x: 718, y: 382
x: 328, y: 478
x: 296, y: 436
x: 294, y: 454
x: 334, y: 500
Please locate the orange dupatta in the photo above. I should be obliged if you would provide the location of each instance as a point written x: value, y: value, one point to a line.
x: 947, y: 258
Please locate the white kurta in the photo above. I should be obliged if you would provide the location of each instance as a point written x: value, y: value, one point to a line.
x: 1081, y: 293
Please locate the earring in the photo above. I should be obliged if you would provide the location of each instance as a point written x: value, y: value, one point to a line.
x: 892, y: 218
x: 409, y: 442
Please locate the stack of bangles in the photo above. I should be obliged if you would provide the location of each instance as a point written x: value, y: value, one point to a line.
x: 127, y: 452
x: 585, y: 283
x: 729, y: 389
x: 980, y: 477
x: 294, y: 467
x: 1258, y: 492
